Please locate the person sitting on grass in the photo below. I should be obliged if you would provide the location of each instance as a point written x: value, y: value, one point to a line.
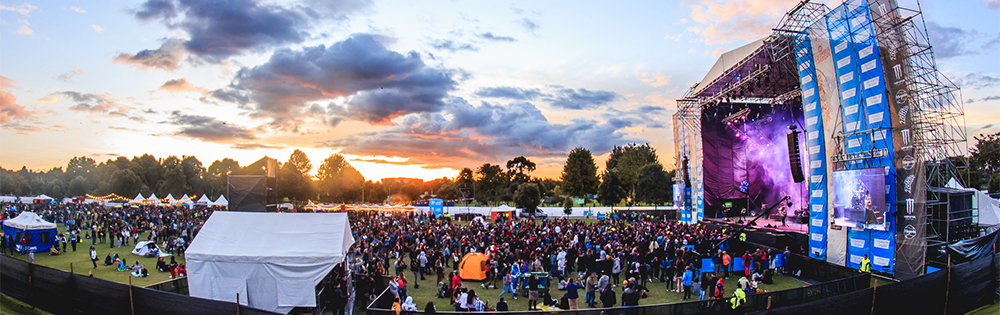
x: 137, y: 266
x: 182, y: 270
x: 122, y: 265
x: 161, y: 265
x: 108, y: 261
x: 53, y: 251
x: 137, y: 271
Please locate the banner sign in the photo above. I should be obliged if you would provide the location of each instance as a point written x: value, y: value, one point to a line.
x: 817, y: 179
x: 910, y: 243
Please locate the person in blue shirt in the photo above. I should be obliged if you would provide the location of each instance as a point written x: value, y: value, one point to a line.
x: 688, y: 280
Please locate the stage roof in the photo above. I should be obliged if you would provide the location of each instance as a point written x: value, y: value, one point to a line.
x: 728, y: 60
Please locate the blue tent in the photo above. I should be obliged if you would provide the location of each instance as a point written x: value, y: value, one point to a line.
x: 38, y: 233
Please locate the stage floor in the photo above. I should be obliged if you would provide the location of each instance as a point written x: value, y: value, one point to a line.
x: 776, y: 224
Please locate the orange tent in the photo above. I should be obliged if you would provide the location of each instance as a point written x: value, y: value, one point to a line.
x: 472, y: 267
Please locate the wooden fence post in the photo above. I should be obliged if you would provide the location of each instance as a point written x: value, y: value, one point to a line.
x: 874, y: 287
x: 131, y: 303
x: 237, y: 304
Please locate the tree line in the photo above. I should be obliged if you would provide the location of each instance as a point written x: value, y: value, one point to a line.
x: 632, y: 174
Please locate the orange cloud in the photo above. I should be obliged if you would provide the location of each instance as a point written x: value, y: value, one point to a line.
x: 721, y: 21
x: 9, y: 109
x: 180, y: 85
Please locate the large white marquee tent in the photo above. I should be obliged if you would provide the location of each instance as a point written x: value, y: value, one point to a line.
x: 272, y: 260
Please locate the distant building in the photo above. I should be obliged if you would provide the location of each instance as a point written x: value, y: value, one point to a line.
x: 402, y: 181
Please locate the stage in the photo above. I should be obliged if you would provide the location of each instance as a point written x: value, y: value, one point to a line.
x: 762, y: 224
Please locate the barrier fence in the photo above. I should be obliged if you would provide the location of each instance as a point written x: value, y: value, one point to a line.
x: 62, y: 292
x: 755, y: 302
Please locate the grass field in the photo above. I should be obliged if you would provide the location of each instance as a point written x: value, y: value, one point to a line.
x: 80, y: 260
x: 11, y: 306
x: 658, y: 293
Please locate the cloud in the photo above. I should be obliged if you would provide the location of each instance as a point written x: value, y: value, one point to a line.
x: 24, y: 8
x: 990, y: 98
x: 510, y: 93
x: 254, y: 146
x: 24, y: 30
x: 78, y: 10
x: 168, y: 57
x: 655, y: 79
x: 978, y: 80
x: 219, y: 29
x: 209, y: 129
x: 722, y: 21
x: 369, y: 82
x: 97, y: 28
x: 453, y: 46
x: 581, y: 98
x: 949, y: 41
x: 993, y: 4
x: 490, y: 36
x: 180, y: 85
x: 65, y: 77
x: 103, y: 104
x: 528, y: 24
x: 471, y: 135
x: 9, y: 109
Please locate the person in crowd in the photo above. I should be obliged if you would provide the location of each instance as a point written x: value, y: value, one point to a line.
x: 572, y: 293
x: 688, y: 280
x: 591, y: 289
x: 408, y: 305
x: 532, y: 292
x: 53, y: 251
x: 726, y: 264
x: 608, y: 298
x: 502, y: 305
x: 93, y: 256
x: 430, y: 309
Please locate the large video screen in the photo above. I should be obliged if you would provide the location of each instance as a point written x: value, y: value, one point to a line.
x: 859, y: 198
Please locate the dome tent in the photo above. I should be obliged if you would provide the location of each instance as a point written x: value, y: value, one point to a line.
x: 472, y: 267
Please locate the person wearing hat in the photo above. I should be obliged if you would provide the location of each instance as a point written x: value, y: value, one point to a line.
x: 688, y: 280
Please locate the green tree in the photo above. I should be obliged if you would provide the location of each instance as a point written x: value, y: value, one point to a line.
x: 519, y: 170
x: 126, y: 183
x: 78, y: 186
x: 579, y: 175
x: 654, y: 185
x: 490, y: 183
x: 628, y: 160
x: 528, y: 197
x: 610, y: 192
x: 985, y: 162
x: 218, y: 176
x: 173, y: 180
x: 338, y: 180
x: 301, y: 162
x: 568, y: 205
x: 194, y: 174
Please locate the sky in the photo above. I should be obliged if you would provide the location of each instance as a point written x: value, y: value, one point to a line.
x: 401, y: 88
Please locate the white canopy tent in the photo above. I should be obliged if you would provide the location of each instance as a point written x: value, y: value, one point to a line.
x: 221, y: 201
x: 273, y: 260
x: 139, y: 198
x: 204, y: 200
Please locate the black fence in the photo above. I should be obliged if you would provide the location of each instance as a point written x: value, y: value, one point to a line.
x: 61, y: 292
x: 755, y: 302
x: 955, y: 290
x: 177, y: 285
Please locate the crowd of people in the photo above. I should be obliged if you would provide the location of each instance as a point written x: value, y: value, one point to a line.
x: 170, y: 227
x: 525, y: 256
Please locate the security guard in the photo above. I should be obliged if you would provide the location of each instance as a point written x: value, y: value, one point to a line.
x: 743, y: 237
x: 739, y: 297
x: 866, y: 265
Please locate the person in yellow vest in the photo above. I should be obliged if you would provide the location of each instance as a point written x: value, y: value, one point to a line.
x: 743, y: 237
x: 738, y: 299
x: 866, y: 265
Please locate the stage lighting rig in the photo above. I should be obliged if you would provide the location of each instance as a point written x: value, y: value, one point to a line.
x: 742, y: 114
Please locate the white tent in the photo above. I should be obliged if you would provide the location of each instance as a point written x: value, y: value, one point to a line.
x: 29, y: 221
x: 221, y: 201
x: 170, y: 198
x: 144, y: 248
x: 153, y: 199
x: 204, y: 200
x: 273, y: 260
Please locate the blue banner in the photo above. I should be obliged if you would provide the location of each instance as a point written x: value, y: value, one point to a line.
x: 812, y: 113
x: 867, y: 129
x: 437, y: 207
